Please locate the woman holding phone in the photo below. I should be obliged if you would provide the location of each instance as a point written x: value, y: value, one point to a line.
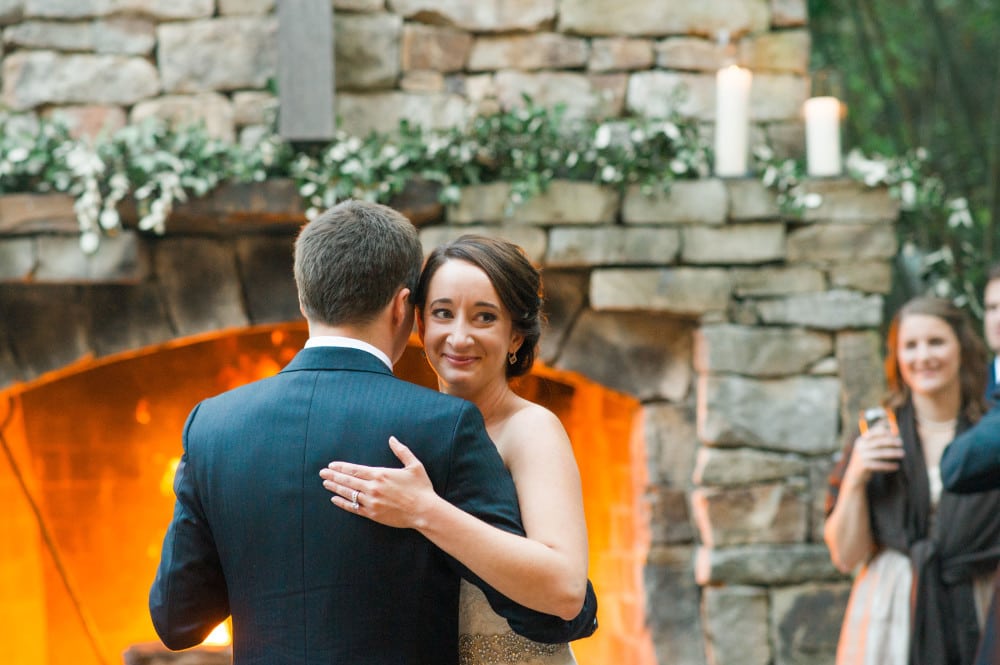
x: 924, y: 557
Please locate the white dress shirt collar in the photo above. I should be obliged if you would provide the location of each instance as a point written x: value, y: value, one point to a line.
x: 348, y: 343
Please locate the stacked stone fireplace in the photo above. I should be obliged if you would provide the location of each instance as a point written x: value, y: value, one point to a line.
x: 728, y: 344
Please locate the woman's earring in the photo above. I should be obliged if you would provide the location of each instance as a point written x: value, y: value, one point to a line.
x: 512, y: 358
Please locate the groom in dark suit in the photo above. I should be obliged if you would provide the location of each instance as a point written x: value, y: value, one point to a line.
x: 254, y: 534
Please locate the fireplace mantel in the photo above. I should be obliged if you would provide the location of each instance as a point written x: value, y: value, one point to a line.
x: 731, y: 323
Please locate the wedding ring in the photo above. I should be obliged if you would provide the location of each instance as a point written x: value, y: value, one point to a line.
x: 354, y: 499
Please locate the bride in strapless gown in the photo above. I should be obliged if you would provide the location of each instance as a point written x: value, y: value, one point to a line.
x: 478, y: 305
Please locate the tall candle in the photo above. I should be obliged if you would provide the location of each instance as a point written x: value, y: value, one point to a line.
x: 732, y: 120
x: 823, y: 136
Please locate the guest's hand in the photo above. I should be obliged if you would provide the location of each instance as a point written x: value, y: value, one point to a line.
x: 877, y: 451
x: 394, y: 497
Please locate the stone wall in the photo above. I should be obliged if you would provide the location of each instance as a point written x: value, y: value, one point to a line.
x: 749, y: 339
x: 102, y: 64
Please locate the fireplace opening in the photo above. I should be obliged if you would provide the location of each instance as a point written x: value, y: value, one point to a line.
x: 86, y: 481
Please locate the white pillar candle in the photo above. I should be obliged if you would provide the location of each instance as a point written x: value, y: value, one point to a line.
x: 823, y: 136
x: 732, y: 120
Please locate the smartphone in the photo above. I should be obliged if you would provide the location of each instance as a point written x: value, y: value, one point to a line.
x: 875, y: 416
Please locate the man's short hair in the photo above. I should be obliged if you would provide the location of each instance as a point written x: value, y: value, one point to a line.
x: 351, y: 260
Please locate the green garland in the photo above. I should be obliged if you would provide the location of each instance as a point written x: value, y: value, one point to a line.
x: 527, y: 147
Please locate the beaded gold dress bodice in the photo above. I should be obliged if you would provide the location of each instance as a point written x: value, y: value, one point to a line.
x: 485, y: 638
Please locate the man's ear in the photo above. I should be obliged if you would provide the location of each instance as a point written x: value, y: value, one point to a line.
x: 400, y: 306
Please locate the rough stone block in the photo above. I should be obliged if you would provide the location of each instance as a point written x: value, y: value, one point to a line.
x: 859, y: 355
x: 59, y: 335
x: 585, y: 95
x: 253, y: 7
x: 756, y: 351
x: 749, y: 199
x: 733, y: 244
x: 744, y: 466
x: 640, y: 354
x: 265, y: 264
x: 671, y: 443
x: 212, y: 110
x: 776, y: 281
x: 89, y: 121
x: 532, y: 240
x: 431, y: 47
x: 829, y: 310
x: 423, y: 81
x: 565, y: 294
x: 842, y: 242
x: 764, y: 564
x: 36, y: 78
x: 184, y: 266
x: 122, y: 36
x: 805, y: 623
x: 675, y: 625
x: 736, y: 625
x: 117, y: 259
x: 620, y: 54
x: 165, y: 10
x: 362, y: 113
x: 639, y: 17
x: 532, y: 51
x: 227, y: 53
x: 658, y: 94
x: 126, y: 317
x: 611, y: 245
x: 866, y: 276
x: 367, y: 50
x: 766, y: 513
x: 27, y: 213
x: 784, y: 51
x: 687, y: 202
x: 669, y: 521
x: 11, y: 11
x: 778, y: 96
x: 508, y: 16
x: 481, y: 204
x: 10, y: 372
x: 789, y: 13
x: 797, y: 414
x: 566, y: 202
x: 691, y: 54
x: 846, y: 201
x: 253, y: 107
x: 358, y: 5
x: 680, y: 291
x: 17, y: 258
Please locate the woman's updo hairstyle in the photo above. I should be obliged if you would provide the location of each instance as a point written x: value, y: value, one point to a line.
x: 515, y: 279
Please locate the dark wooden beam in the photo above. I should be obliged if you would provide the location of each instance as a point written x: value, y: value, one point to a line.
x: 306, y: 76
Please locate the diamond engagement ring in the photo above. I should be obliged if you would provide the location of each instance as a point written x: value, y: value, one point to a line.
x: 354, y: 499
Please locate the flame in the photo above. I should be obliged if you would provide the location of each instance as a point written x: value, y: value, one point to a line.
x: 246, y: 369
x: 219, y: 637
x: 167, y: 480
x: 142, y: 413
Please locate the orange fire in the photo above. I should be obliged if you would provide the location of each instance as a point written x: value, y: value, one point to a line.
x: 219, y: 637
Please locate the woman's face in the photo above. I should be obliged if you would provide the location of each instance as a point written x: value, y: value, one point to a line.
x: 928, y: 354
x: 466, y: 330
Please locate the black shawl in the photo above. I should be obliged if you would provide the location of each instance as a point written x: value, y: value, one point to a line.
x: 962, y: 542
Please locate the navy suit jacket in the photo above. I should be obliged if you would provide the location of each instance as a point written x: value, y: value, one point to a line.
x: 254, y: 533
